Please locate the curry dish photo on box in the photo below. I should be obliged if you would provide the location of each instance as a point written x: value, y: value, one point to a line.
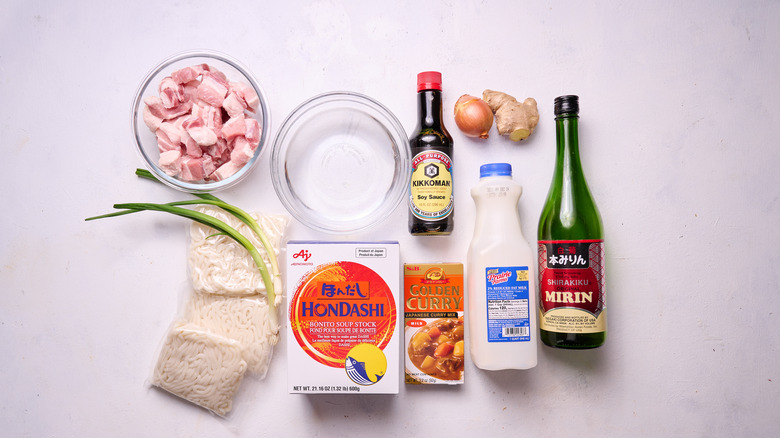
x: 433, y: 323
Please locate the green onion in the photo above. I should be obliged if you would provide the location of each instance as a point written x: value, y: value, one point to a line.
x: 242, y: 215
x: 222, y: 227
x: 214, y: 223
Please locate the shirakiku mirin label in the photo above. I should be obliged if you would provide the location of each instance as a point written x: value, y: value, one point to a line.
x: 430, y: 191
x: 572, y: 298
x: 508, y: 312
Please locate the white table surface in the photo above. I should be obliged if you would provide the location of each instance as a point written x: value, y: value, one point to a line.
x: 679, y: 143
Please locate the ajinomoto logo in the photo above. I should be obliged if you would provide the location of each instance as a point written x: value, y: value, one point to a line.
x: 301, y: 258
x: 338, y: 306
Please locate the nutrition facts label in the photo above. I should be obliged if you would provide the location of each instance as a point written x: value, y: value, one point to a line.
x: 507, y: 309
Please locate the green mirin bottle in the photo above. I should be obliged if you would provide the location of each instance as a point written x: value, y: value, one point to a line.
x: 572, y: 298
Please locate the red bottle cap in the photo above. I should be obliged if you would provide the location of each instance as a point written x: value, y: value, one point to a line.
x: 429, y: 80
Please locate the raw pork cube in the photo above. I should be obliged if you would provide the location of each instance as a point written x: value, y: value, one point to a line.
x: 246, y: 92
x: 170, y: 162
x: 211, y: 91
x: 190, y: 90
x: 171, y: 93
x: 173, y: 132
x: 186, y: 74
x: 151, y: 121
x: 233, y: 104
x: 225, y: 171
x: 192, y: 148
x: 213, y: 118
x: 166, y: 144
x: 217, y: 76
x: 220, y: 152
x: 156, y: 107
x: 192, y: 169
x: 242, y: 151
x: 208, y: 165
x: 202, y: 134
x: 234, y: 127
x: 252, y: 131
x: 199, y: 110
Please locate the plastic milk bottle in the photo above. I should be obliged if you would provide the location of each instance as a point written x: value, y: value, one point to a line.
x: 501, y: 293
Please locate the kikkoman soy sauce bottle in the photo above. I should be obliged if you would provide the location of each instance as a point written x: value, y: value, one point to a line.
x: 572, y: 298
x: 431, y: 202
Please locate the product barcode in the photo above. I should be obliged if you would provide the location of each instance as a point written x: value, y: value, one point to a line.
x: 515, y: 331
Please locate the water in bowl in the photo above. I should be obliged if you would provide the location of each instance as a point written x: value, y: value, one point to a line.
x: 342, y: 174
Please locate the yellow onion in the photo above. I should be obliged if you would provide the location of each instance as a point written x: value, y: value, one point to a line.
x: 473, y: 116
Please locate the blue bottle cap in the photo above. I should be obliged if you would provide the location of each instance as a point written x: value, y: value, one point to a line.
x: 495, y: 169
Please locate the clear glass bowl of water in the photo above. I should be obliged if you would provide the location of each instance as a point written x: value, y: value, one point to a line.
x: 340, y: 162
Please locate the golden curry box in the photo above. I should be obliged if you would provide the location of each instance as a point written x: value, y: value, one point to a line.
x: 433, y: 323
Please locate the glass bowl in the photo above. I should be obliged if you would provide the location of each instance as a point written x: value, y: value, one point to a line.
x: 147, y: 141
x: 340, y: 162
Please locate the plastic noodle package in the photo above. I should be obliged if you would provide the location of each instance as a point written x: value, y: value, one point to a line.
x: 243, y: 319
x: 201, y: 367
x: 220, y: 265
x: 225, y: 330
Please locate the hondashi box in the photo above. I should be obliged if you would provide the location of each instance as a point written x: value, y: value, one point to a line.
x: 343, y: 317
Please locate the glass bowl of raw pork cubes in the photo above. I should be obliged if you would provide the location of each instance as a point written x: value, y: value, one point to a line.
x: 200, y: 121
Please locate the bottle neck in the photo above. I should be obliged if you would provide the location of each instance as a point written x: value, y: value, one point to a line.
x: 429, y: 108
x: 567, y: 161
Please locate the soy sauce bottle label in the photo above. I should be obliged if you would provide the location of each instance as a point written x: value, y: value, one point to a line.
x: 571, y: 286
x: 431, y: 186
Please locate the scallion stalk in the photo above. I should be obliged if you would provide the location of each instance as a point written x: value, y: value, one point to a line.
x: 242, y: 215
x: 211, y: 222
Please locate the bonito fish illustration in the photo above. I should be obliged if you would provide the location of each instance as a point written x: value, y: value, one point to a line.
x: 357, y: 372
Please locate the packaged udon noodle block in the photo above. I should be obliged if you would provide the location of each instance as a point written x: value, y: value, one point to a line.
x: 226, y: 329
x: 433, y: 323
x: 199, y: 366
x: 343, y: 330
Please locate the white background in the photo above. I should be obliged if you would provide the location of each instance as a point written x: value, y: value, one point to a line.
x: 678, y: 135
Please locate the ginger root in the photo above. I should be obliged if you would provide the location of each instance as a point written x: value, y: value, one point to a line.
x: 516, y: 119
